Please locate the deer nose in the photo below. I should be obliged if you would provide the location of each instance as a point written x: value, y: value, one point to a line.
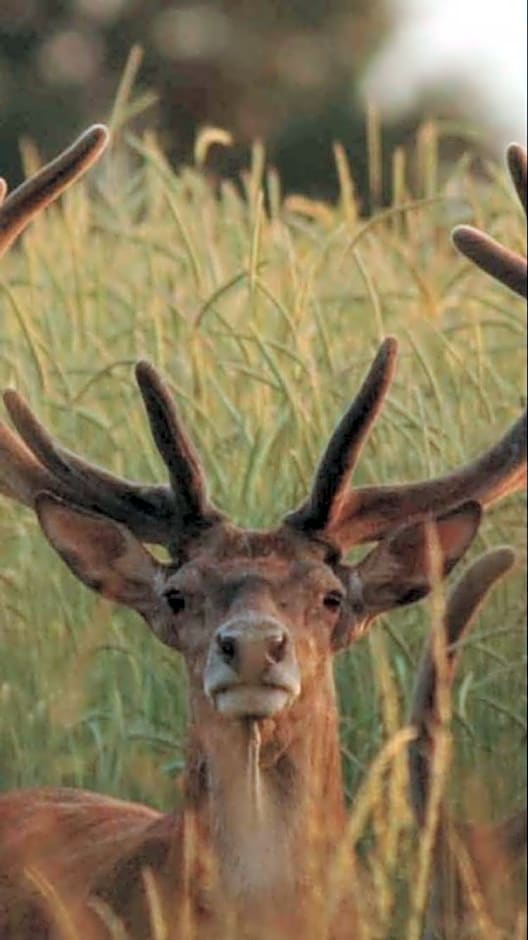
x: 250, y: 650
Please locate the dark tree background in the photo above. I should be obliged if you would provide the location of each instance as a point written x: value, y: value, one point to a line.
x: 286, y: 73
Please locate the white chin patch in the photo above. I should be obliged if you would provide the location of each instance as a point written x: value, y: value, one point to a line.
x: 251, y: 701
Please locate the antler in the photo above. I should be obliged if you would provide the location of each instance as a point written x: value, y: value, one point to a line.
x: 186, y: 474
x: 164, y: 515
x: 37, y: 192
x: 340, y: 457
x: 369, y: 513
x: 34, y: 462
x: 157, y: 514
x: 504, y: 265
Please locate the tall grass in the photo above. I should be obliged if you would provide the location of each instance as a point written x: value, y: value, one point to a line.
x: 264, y: 319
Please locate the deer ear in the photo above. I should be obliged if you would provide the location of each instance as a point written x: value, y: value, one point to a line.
x: 398, y: 571
x: 102, y: 553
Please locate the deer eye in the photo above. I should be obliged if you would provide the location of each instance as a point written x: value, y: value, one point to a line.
x: 333, y: 600
x: 175, y: 600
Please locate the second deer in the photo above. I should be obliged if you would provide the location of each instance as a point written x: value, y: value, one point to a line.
x: 478, y: 877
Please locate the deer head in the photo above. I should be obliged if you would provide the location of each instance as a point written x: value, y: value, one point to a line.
x: 256, y: 614
x: 242, y: 606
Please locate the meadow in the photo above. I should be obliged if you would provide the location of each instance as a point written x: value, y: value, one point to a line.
x: 264, y: 315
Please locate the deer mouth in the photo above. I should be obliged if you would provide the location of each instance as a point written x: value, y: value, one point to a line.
x: 241, y: 700
x: 251, y: 669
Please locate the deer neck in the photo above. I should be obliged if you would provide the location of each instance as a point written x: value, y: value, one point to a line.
x: 268, y: 794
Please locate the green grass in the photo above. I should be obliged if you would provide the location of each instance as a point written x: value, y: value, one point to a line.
x: 264, y: 324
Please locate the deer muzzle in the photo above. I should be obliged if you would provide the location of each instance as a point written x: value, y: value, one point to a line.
x: 251, y: 669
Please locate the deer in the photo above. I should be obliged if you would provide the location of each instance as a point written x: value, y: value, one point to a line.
x: 257, y: 616
x: 478, y: 868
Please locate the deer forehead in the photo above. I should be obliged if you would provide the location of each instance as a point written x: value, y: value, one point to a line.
x: 228, y: 581
x: 255, y: 563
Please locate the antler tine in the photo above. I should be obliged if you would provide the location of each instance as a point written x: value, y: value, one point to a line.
x: 3, y: 189
x: 369, y: 513
x: 42, y: 188
x: 506, y: 266
x: 185, y: 471
x: 341, y: 455
x: 461, y: 608
x: 148, y: 511
x: 517, y: 160
x: 21, y: 475
x: 503, y: 265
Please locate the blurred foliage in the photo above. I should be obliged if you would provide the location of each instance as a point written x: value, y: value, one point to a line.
x: 285, y: 73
